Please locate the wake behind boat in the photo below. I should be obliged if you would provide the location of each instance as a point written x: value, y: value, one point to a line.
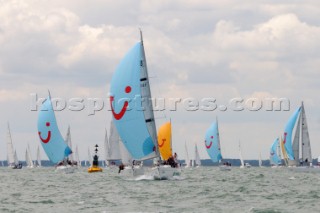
x: 51, y: 139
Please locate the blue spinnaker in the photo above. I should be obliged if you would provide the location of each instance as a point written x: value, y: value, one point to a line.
x: 274, y: 157
x: 212, y: 142
x: 126, y: 104
x: 49, y: 134
x: 287, y: 136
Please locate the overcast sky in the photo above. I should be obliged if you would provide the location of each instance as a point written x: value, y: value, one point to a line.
x: 194, y: 48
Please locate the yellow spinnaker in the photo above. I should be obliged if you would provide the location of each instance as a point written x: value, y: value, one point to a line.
x: 164, y: 141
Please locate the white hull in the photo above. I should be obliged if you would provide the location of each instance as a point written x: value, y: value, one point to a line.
x: 132, y: 171
x: 163, y: 172
x: 67, y: 169
x: 225, y: 168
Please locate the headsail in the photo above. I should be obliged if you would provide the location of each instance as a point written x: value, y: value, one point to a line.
x: 113, y: 149
x: 212, y: 142
x: 69, y: 143
x: 49, y: 134
x: 131, y: 105
x: 38, y: 157
x: 187, y: 159
x: 296, y: 142
x: 287, y: 137
x: 164, y: 140
x: 240, y: 155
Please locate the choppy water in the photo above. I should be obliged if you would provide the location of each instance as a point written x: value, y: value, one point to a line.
x: 205, y: 189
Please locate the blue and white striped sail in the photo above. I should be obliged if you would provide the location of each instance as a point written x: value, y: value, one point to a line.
x: 287, y: 137
x: 274, y: 157
x: 212, y: 142
x: 133, y: 117
x: 49, y: 134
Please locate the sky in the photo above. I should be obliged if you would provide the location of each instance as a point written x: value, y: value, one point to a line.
x: 196, y: 49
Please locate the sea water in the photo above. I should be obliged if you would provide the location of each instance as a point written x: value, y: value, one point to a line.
x: 204, y: 189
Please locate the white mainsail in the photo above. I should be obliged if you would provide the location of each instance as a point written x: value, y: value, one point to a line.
x: 126, y: 158
x: 69, y: 143
x: 77, y: 156
x: 305, y: 139
x: 197, y: 156
x: 240, y: 156
x: 112, y: 148
x: 260, y: 161
x: 10, y: 150
x: 29, y: 161
x: 187, y: 159
x: 16, y: 161
x: 89, y: 158
x: 38, y: 157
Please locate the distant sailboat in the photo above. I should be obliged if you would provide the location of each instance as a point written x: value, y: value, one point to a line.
x: 69, y: 143
x: 260, y: 160
x: 51, y: 139
x: 275, y: 160
x: 243, y: 165
x: 197, y: 161
x: 89, y: 158
x: 38, y: 157
x: 77, y: 157
x: 136, y: 126
x: 29, y: 161
x: 187, y: 159
x: 12, y: 158
x: 301, y: 141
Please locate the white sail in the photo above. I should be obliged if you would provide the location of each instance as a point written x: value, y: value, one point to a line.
x: 10, y: 150
x: 89, y: 157
x: 69, y: 143
x: 187, y: 159
x: 296, y: 142
x: 77, y: 156
x: 197, y: 157
x: 240, y: 156
x: 305, y: 140
x: 29, y: 161
x: 16, y: 161
x: 260, y: 161
x: 38, y: 157
x: 147, y: 103
x: 113, y: 150
x: 126, y: 158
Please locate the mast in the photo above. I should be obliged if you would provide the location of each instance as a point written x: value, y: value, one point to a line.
x: 305, y: 140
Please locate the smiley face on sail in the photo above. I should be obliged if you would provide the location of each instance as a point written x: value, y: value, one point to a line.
x: 162, y: 143
x: 123, y: 109
x: 208, y: 146
x: 47, y: 139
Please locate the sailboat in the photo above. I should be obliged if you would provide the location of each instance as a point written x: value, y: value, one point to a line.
x: 51, y: 139
x: 112, y: 149
x: 130, y: 89
x: 298, y: 150
x: 187, y: 159
x: 38, y: 157
x: 89, y: 158
x: 197, y: 161
x: 11, y: 154
x: 275, y: 160
x: 17, y: 164
x: 169, y: 161
x: 77, y: 157
x: 212, y: 144
x: 69, y: 143
x: 260, y: 160
x: 29, y: 161
x: 243, y: 165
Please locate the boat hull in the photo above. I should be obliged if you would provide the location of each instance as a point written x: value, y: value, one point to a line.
x: 225, y: 168
x: 67, y: 169
x: 164, y: 172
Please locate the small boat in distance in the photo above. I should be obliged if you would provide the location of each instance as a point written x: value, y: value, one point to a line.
x: 197, y: 160
x: 212, y: 145
x: 12, y: 158
x: 95, y: 163
x: 243, y: 165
